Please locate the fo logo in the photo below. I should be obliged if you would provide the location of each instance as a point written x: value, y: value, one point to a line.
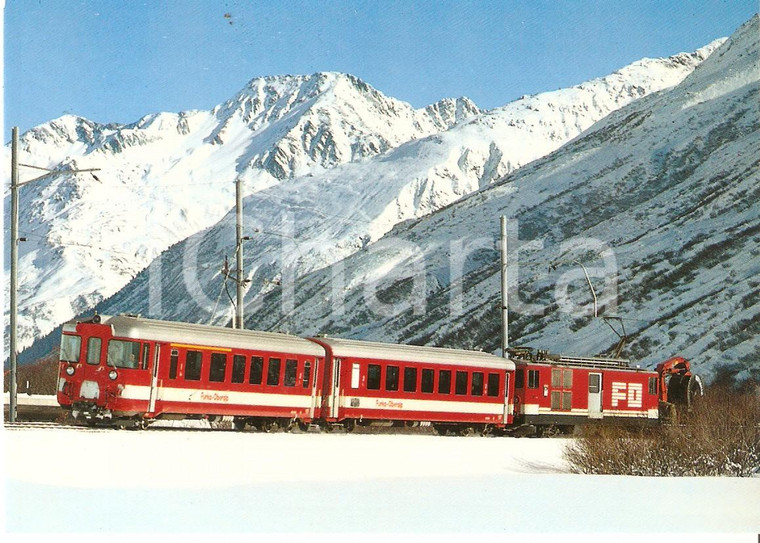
x: 627, y: 392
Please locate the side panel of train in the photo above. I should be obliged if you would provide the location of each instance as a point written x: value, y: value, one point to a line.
x: 250, y: 383
x: 151, y: 378
x: 563, y: 395
x: 375, y: 388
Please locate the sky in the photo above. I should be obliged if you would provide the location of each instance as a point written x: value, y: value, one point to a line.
x: 118, y: 61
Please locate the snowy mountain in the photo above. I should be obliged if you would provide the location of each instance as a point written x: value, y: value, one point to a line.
x: 658, y: 200
x: 326, y: 159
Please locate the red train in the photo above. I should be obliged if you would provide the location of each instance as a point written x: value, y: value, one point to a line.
x: 131, y: 371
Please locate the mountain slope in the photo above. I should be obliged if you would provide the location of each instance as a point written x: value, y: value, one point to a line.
x: 658, y: 200
x: 168, y: 176
x: 318, y: 219
x: 326, y: 158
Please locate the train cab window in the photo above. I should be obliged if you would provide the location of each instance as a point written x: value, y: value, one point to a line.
x: 273, y: 372
x: 173, y: 363
x: 533, y: 378
x: 653, y: 385
x: 391, y: 378
x: 93, y: 351
x: 444, y: 381
x: 123, y: 354
x: 193, y: 360
x: 238, y: 368
x: 70, y: 346
x: 427, y: 380
x: 477, y: 384
x: 410, y: 379
x: 373, y: 377
x: 257, y: 370
x: 291, y: 369
x: 492, y: 388
x: 306, y: 374
x: 460, y: 387
x: 218, y: 367
x: 145, y: 355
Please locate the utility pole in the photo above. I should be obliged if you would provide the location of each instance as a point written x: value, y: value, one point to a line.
x: 13, y: 336
x: 12, y: 388
x: 239, y: 238
x: 504, y: 290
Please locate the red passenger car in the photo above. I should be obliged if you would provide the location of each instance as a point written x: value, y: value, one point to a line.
x: 454, y: 390
x: 135, y: 369
x: 563, y: 391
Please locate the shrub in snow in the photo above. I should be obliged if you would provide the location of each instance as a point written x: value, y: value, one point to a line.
x: 720, y: 437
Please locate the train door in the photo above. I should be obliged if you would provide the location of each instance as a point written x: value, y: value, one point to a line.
x: 595, y: 395
x: 335, y: 396
x: 314, y: 398
x: 506, y: 399
x: 154, y: 379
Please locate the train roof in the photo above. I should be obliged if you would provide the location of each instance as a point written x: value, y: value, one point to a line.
x: 204, y: 335
x: 343, y: 348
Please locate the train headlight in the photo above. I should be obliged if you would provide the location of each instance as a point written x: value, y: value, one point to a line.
x: 69, y: 370
x: 112, y: 375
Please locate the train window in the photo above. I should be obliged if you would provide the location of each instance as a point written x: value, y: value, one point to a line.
x: 273, y: 372
x: 145, y: 353
x: 306, y: 374
x: 355, y: 375
x: 567, y: 379
x: 653, y: 385
x: 556, y: 378
x: 123, y: 354
x: 193, y: 361
x: 218, y: 367
x: 556, y: 397
x: 492, y: 388
x: 93, y: 351
x: 567, y: 400
x: 410, y: 379
x: 520, y: 378
x: 461, y: 383
x: 444, y: 381
x: 257, y: 370
x: 238, y: 368
x: 373, y: 377
x: 391, y: 378
x: 70, y: 346
x: 173, y: 361
x: 477, y: 383
x: 533, y: 378
x: 291, y: 368
x: 427, y: 380
x: 594, y: 383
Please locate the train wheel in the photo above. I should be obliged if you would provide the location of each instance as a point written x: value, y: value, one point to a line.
x: 467, y: 431
x: 272, y: 426
x: 349, y: 425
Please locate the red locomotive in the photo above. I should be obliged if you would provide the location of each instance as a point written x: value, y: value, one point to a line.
x: 131, y: 371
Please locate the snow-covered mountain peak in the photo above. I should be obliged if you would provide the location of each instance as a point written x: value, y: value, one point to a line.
x: 312, y: 143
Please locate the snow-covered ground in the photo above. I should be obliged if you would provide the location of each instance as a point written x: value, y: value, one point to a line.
x: 66, y: 481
